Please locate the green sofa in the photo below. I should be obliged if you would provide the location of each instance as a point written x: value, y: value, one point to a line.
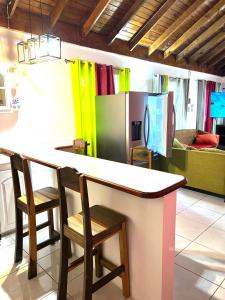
x: 204, y: 170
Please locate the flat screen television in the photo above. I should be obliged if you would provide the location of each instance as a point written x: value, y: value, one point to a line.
x: 161, y: 123
x: 217, y: 105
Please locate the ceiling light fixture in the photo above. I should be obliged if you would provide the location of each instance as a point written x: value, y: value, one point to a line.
x: 45, y: 47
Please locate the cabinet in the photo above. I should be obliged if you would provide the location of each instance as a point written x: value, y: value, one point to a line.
x: 7, y: 208
x: 220, y: 130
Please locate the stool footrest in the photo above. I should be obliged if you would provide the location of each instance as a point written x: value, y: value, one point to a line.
x: 39, y: 227
x: 104, y: 280
x: 55, y: 237
x: 108, y: 265
x: 79, y: 261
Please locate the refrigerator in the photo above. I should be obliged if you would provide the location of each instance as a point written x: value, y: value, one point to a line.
x: 127, y: 120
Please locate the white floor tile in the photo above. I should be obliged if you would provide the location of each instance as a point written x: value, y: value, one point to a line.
x: 213, y: 238
x: 180, y: 243
x: 7, y: 264
x: 6, y: 241
x: 180, y: 206
x: 188, y: 197
x: 41, y: 236
x: 220, y: 224
x: 50, y: 264
x: 189, y: 286
x: 188, y: 228
x: 16, y: 286
x: 203, y: 261
x: 223, y: 285
x: 53, y: 296
x: 109, y: 291
x: 214, y: 203
x: 219, y: 294
x: 201, y: 214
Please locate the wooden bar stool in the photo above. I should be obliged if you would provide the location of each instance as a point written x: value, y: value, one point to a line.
x: 32, y: 203
x: 141, y: 156
x: 79, y: 147
x: 89, y: 229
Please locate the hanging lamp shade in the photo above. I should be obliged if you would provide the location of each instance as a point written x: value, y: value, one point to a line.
x: 49, y: 47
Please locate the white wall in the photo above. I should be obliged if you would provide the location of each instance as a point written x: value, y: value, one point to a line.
x: 45, y: 89
x: 46, y: 112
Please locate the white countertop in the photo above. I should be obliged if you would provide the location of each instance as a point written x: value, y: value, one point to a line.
x: 145, y: 183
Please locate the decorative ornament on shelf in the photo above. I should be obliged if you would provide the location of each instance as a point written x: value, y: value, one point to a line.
x: 45, y: 47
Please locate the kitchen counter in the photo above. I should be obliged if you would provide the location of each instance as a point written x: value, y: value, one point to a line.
x: 142, y: 182
x: 148, y: 199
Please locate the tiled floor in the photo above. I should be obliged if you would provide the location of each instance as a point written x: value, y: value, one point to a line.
x: 199, y: 259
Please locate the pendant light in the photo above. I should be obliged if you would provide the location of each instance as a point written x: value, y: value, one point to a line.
x: 49, y: 44
x: 45, y: 47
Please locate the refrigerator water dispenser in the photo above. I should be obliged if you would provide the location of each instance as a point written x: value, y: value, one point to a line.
x: 136, y: 130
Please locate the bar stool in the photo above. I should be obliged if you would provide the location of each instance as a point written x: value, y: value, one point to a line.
x: 79, y: 147
x: 89, y: 229
x: 141, y: 156
x: 32, y: 203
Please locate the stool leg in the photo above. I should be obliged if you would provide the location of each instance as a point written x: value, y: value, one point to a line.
x: 63, y: 274
x: 32, y: 266
x: 124, y: 261
x: 19, y: 235
x: 88, y: 273
x: 51, y: 226
x: 98, y: 266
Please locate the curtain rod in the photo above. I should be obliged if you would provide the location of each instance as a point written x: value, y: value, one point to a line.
x: 73, y: 61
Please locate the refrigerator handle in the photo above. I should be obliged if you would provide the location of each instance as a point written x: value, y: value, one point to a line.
x: 146, y: 116
x: 174, y: 122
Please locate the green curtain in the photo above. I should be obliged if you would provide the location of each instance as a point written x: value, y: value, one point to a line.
x: 165, y: 83
x: 84, y: 92
x: 124, y: 80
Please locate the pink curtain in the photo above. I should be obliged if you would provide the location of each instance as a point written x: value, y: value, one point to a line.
x: 104, y: 80
x: 210, y: 87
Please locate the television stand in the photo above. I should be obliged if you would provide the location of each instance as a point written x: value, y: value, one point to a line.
x: 220, y: 130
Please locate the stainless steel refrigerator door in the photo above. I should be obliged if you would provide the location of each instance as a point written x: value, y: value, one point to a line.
x: 136, y: 104
x: 111, y: 127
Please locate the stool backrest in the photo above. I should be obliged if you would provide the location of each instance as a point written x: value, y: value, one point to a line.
x: 20, y: 164
x: 70, y: 178
x: 80, y: 144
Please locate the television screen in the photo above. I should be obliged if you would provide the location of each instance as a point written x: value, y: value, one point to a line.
x: 161, y: 127
x: 217, y: 105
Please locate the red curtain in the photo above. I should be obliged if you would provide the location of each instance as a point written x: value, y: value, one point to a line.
x: 104, y: 80
x: 210, y: 87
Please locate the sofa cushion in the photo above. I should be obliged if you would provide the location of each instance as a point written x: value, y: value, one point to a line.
x: 178, y: 144
x: 213, y: 150
x: 207, y: 139
x: 186, y: 136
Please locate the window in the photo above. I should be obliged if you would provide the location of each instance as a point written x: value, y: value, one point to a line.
x: 4, y: 103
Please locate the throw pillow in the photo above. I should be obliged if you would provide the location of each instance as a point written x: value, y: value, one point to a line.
x: 199, y: 146
x: 208, y: 138
x: 178, y: 144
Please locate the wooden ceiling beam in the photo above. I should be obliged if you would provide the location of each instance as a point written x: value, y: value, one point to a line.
x: 152, y: 21
x: 128, y: 15
x: 207, y: 59
x: 12, y: 7
x: 207, y: 49
x: 218, y: 25
x: 94, y: 16
x: 196, y: 27
x: 57, y: 12
x: 217, y: 55
x: 220, y: 64
x: 174, y: 27
x: 72, y: 34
